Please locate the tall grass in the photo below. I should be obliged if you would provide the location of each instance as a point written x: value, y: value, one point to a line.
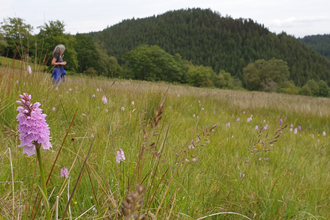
x: 178, y: 166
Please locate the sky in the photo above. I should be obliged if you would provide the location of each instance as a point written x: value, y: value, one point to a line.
x: 295, y: 17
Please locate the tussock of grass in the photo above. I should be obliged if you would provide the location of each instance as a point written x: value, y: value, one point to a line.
x: 218, y: 175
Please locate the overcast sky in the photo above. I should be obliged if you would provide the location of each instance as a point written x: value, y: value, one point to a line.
x: 295, y: 17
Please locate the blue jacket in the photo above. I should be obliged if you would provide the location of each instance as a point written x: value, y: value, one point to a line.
x: 58, y: 75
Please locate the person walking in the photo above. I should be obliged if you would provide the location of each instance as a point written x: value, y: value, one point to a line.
x: 59, y: 72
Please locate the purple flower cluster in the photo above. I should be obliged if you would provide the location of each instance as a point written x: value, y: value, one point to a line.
x: 64, y: 172
x: 104, y: 99
x: 120, y: 156
x: 32, y: 126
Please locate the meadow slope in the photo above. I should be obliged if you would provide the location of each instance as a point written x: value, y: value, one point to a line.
x: 188, y: 168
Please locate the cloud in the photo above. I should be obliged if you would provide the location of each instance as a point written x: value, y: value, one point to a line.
x: 304, y: 21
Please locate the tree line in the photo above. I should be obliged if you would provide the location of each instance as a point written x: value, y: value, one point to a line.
x: 206, y: 38
x: 319, y: 43
x: 90, y: 56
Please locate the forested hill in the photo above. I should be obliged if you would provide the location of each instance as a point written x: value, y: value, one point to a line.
x: 320, y: 43
x: 206, y: 38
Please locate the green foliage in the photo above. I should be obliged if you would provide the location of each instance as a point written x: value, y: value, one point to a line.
x: 320, y: 43
x: 153, y: 63
x: 314, y: 87
x: 306, y: 91
x: 52, y: 34
x: 323, y: 89
x: 86, y: 53
x: 107, y: 66
x: 90, y: 72
x: 3, y: 44
x: 200, y: 76
x: 262, y: 74
x: 223, y: 43
x: 17, y: 37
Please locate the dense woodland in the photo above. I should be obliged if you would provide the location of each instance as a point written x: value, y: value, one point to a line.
x: 320, y: 43
x: 194, y: 46
x: 205, y: 38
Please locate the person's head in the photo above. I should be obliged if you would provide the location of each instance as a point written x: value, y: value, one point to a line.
x: 59, y: 50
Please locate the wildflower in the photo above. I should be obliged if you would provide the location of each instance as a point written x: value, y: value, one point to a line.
x: 94, y: 209
x: 16, y: 81
x: 228, y: 124
x: 291, y: 126
x: 295, y: 131
x: 249, y: 119
x: 266, y: 127
x: 290, y: 129
x: 238, y: 119
x: 101, y: 90
x: 56, y: 89
x: 257, y: 127
x: 281, y: 121
x: 29, y: 69
x: 324, y: 133
x: 243, y: 112
x: 132, y: 102
x: 299, y: 127
x: 178, y: 95
x: 213, y: 112
x: 106, y: 110
x: 104, y: 99
x: 120, y: 156
x: 92, y: 135
x: 123, y: 108
x: 97, y: 90
x: 191, y: 147
x: 83, y: 114
x: 202, y: 109
x: 64, y: 172
x: 70, y: 90
x: 195, y: 160
x: 199, y: 101
x: 194, y: 115
x: 93, y: 95
x: 312, y: 136
x: 33, y: 128
x: 242, y: 175
x: 54, y: 109
x: 264, y: 121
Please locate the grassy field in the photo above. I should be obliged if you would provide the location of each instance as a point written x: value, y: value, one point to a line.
x: 18, y: 64
x: 189, y: 168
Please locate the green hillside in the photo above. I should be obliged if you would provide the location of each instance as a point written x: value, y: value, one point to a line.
x: 320, y: 43
x: 206, y: 38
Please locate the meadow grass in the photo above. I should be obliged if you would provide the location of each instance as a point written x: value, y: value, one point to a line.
x: 187, y: 168
x: 6, y: 62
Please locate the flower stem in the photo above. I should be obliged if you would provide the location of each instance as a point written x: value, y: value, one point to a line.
x: 43, y: 182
